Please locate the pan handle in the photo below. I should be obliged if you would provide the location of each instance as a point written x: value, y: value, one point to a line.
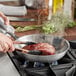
x: 13, y: 35
x: 2, y: 26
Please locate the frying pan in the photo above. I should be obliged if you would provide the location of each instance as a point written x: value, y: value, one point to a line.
x: 37, y: 38
x: 60, y: 51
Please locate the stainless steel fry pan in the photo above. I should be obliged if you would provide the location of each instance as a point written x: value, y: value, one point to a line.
x: 60, y: 52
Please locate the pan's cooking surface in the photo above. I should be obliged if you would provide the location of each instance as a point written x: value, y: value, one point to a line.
x: 42, y: 38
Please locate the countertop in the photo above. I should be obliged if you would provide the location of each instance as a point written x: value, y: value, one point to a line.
x: 69, y: 34
x: 7, y: 68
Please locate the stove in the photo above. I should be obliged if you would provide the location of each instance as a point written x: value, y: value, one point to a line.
x: 63, y: 67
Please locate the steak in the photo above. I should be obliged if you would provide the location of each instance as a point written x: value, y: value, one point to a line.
x: 45, y: 48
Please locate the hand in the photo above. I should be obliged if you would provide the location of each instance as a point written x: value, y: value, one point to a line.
x: 6, y: 20
x: 6, y: 44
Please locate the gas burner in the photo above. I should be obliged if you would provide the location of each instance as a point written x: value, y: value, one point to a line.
x: 57, y: 68
x: 26, y: 63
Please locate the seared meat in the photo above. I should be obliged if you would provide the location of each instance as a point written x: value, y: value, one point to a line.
x: 45, y: 48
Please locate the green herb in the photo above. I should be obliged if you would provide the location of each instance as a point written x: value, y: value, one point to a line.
x: 48, y: 27
x: 71, y: 24
x: 26, y: 28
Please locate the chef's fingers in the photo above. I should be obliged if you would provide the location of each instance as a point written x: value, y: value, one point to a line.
x: 4, y: 46
x: 7, y: 46
x: 1, y: 49
x: 6, y: 20
x: 11, y: 47
x: 10, y: 44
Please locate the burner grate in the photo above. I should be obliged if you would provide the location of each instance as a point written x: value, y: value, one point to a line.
x: 57, y: 68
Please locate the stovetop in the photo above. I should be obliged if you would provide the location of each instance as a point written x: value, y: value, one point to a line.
x: 63, y: 67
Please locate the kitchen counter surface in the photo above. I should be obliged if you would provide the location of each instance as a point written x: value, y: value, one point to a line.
x: 7, y: 68
x: 70, y: 33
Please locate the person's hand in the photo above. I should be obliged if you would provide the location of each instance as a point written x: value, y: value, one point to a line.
x: 6, y: 44
x: 6, y: 20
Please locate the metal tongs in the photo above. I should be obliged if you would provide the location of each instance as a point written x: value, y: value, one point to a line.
x: 36, y: 52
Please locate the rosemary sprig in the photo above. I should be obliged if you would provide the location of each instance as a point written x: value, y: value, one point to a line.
x: 27, y: 28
